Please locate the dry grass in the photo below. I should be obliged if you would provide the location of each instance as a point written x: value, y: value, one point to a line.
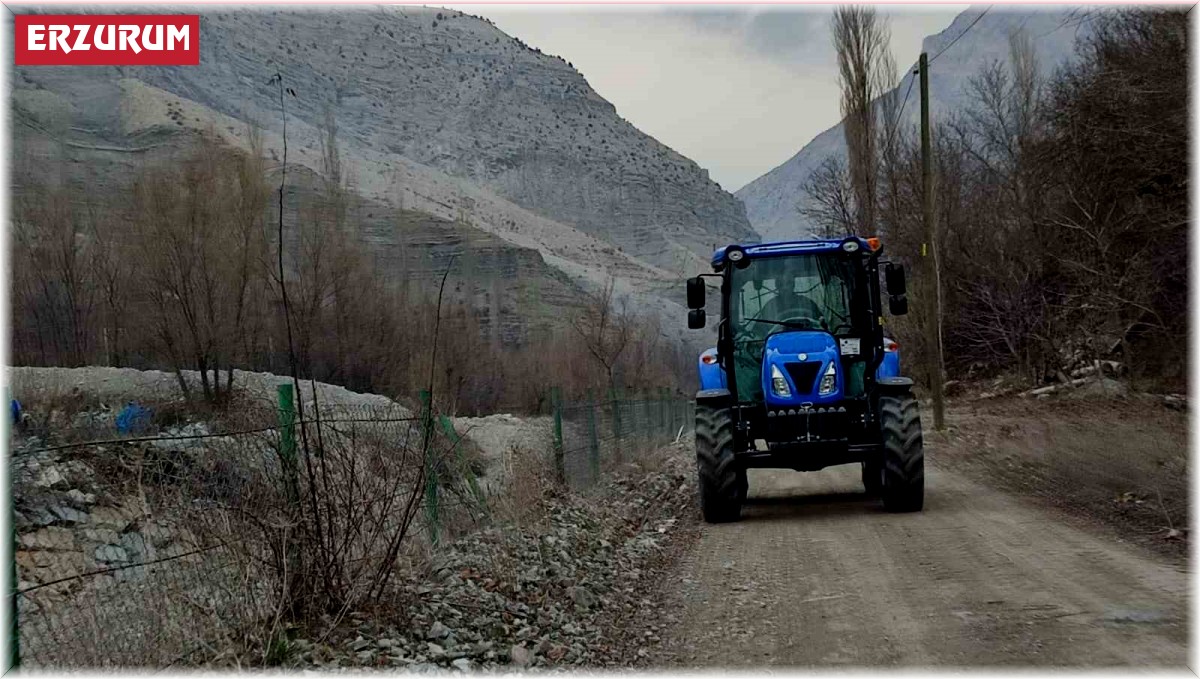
x: 1120, y: 462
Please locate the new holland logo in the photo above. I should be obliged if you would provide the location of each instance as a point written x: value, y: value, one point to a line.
x: 106, y: 39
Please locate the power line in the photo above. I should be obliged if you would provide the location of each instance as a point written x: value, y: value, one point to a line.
x: 968, y: 28
x: 899, y: 117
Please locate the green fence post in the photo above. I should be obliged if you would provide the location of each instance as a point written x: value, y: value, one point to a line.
x: 594, y: 440
x: 14, y: 630
x: 560, y: 467
x: 291, y: 478
x: 287, y: 422
x: 287, y: 442
x: 431, y: 478
x: 464, y: 469
x: 614, y: 396
x: 14, y: 639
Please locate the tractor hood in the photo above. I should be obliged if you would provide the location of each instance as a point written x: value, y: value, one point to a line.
x: 802, y: 358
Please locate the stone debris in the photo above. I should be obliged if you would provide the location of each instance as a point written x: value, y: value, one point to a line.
x: 569, y: 591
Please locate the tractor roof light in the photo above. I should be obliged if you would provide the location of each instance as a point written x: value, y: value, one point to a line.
x: 873, y: 243
x: 737, y: 255
x: 850, y: 245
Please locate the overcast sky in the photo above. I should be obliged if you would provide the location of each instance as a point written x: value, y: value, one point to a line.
x: 737, y: 89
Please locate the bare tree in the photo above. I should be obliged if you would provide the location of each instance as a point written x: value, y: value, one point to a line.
x: 56, y: 287
x: 829, y: 200
x: 865, y: 70
x: 201, y: 239
x: 606, y: 329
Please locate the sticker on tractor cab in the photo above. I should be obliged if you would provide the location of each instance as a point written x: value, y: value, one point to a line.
x: 850, y: 346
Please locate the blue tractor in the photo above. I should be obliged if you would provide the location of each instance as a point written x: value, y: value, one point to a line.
x: 802, y: 376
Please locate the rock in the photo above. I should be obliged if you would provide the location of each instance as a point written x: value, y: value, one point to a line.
x: 359, y: 644
x: 117, y: 518
x: 137, y: 547
x: 157, y: 534
x: 52, y: 537
x: 435, y: 650
x: 81, y: 498
x: 43, y: 566
x: 37, y: 517
x: 111, y: 554
x: 1101, y: 388
x: 520, y: 656
x: 437, y: 631
x: 385, y: 643
x: 50, y: 477
x: 1175, y: 402
x: 68, y: 515
x: 463, y: 664
x: 582, y: 597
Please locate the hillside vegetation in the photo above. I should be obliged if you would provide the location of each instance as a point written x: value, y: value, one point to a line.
x: 1062, y: 210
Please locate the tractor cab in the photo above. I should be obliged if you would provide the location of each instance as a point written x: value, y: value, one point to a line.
x: 802, y: 375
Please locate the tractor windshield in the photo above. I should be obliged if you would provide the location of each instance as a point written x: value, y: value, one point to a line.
x: 777, y: 294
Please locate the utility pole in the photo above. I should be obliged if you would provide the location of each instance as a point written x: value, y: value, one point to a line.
x: 933, y: 302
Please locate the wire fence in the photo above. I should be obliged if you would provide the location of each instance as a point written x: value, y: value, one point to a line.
x: 595, y: 433
x: 195, y: 544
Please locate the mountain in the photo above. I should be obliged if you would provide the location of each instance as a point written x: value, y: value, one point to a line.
x: 442, y: 119
x: 771, y: 200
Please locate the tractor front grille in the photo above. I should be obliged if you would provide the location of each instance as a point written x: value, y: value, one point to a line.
x: 804, y: 375
x: 808, y: 424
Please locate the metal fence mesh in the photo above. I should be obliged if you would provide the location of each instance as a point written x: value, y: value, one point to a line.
x: 171, y: 546
x: 597, y: 434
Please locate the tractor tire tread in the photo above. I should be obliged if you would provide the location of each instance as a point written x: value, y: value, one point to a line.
x: 722, y: 481
x: 903, y: 454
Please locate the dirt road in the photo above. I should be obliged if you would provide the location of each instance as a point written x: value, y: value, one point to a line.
x: 817, y: 575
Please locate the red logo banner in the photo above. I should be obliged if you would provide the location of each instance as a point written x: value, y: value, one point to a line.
x: 107, y: 39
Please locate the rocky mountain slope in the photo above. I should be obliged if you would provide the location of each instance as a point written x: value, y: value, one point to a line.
x: 486, y: 145
x: 771, y: 200
x: 443, y: 94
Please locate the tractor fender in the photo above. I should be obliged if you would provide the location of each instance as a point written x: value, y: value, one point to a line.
x: 712, y: 375
x: 894, y: 385
x: 714, y: 398
x: 890, y: 366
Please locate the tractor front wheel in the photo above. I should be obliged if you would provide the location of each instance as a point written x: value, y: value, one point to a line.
x: 903, y: 454
x: 722, y: 483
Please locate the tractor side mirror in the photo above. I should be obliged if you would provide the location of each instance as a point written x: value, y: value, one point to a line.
x: 696, y: 318
x: 695, y: 295
x: 894, y: 276
x: 898, y: 305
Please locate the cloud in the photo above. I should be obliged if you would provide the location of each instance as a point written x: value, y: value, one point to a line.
x: 738, y: 90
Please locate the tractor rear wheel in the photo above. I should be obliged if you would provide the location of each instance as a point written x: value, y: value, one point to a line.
x: 722, y: 483
x: 903, y: 454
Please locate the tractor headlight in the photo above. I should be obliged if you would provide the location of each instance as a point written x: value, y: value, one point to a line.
x: 828, y: 380
x: 779, y: 385
x: 736, y: 255
x: 850, y: 245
